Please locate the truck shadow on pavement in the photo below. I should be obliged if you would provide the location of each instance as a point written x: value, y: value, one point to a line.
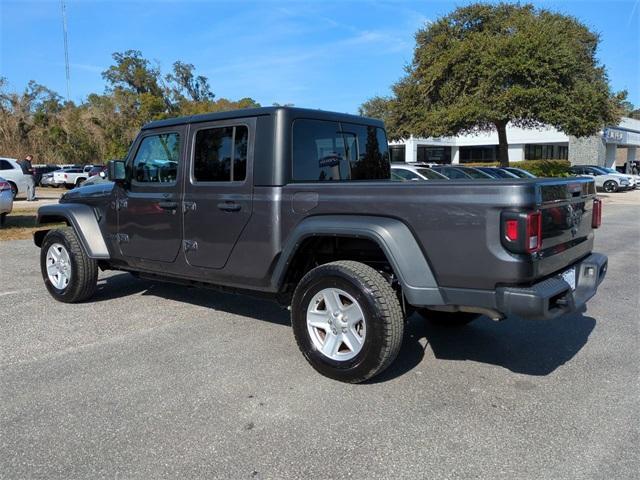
x: 529, y: 347
x: 123, y: 284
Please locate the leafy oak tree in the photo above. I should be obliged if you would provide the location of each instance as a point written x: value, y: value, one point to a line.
x: 486, y: 65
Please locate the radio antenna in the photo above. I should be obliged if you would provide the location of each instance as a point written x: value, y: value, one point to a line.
x: 66, y: 45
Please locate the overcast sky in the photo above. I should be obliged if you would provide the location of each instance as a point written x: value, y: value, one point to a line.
x: 324, y: 54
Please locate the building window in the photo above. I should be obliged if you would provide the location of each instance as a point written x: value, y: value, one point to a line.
x: 430, y: 154
x: 484, y: 154
x: 397, y: 153
x: 546, y: 152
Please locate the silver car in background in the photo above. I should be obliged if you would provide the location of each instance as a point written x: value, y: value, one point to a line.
x: 410, y: 173
x: 6, y: 200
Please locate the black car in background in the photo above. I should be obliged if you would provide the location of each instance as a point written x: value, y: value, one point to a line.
x: 497, y: 172
x: 460, y: 173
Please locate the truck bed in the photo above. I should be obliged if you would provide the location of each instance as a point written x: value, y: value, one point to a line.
x: 457, y: 222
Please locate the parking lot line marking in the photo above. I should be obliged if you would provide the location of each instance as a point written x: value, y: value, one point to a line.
x: 11, y: 292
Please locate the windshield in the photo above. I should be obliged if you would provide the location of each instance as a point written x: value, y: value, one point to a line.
x: 430, y: 174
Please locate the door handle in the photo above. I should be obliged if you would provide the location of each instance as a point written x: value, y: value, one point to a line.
x: 229, y: 206
x: 168, y: 205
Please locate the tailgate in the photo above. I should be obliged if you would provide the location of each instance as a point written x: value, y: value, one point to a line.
x: 567, y: 207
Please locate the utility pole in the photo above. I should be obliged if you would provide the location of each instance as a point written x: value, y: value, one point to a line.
x: 66, y: 46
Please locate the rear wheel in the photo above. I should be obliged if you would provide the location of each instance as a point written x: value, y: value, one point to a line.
x: 610, y: 186
x: 3, y: 219
x: 347, y: 321
x: 448, y: 319
x: 68, y: 273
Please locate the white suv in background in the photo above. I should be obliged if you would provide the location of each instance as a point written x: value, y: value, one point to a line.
x: 11, y: 171
x: 609, y: 182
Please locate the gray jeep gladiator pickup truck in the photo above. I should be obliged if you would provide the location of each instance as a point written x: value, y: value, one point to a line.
x: 298, y: 205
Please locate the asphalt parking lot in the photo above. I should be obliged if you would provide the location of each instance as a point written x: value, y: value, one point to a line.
x: 157, y: 381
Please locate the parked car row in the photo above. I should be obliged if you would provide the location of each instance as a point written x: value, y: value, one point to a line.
x: 424, y: 171
x: 68, y: 176
x: 606, y: 179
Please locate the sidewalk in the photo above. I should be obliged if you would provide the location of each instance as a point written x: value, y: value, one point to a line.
x: 44, y: 196
x: 631, y: 197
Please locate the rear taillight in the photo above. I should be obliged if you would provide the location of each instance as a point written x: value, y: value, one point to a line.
x: 534, y: 232
x: 596, y: 218
x: 4, y: 186
x: 522, y: 231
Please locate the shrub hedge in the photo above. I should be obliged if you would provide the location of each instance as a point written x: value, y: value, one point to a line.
x: 540, y: 168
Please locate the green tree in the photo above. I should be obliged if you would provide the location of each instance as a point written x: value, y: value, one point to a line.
x: 37, y: 121
x: 486, y: 65
x: 186, y: 86
x: 134, y: 73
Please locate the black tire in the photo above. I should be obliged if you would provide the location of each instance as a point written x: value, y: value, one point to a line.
x: 448, y: 319
x: 14, y: 189
x: 382, y: 315
x: 3, y: 219
x: 84, y: 270
x: 610, y: 186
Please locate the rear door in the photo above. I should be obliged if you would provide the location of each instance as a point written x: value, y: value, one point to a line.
x: 149, y: 218
x: 218, y: 190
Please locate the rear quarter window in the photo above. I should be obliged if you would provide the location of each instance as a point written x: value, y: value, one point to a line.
x: 337, y: 151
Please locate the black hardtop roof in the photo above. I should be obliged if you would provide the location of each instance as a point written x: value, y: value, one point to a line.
x: 293, y: 112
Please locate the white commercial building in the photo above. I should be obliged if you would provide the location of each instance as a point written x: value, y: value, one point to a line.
x: 613, y: 146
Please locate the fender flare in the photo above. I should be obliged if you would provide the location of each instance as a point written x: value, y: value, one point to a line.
x: 398, y: 243
x: 84, y: 222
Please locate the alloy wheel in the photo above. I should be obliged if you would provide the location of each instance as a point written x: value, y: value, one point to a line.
x: 336, y: 324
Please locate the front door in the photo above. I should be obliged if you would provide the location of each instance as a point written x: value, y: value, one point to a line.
x: 149, y: 213
x: 218, y: 190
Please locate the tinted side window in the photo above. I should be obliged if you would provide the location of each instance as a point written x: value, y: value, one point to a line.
x: 220, y: 154
x: 318, y: 151
x: 157, y: 159
x: 325, y: 150
x: 4, y: 165
x: 367, y: 151
x: 406, y: 174
x: 452, y: 173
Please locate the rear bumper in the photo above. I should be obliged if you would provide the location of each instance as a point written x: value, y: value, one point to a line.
x: 548, y: 298
x: 553, y: 297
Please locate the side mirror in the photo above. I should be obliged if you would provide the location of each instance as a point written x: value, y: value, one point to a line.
x: 116, y: 171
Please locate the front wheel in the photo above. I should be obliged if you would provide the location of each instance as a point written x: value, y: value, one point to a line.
x: 347, y: 321
x: 610, y: 186
x: 68, y: 273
